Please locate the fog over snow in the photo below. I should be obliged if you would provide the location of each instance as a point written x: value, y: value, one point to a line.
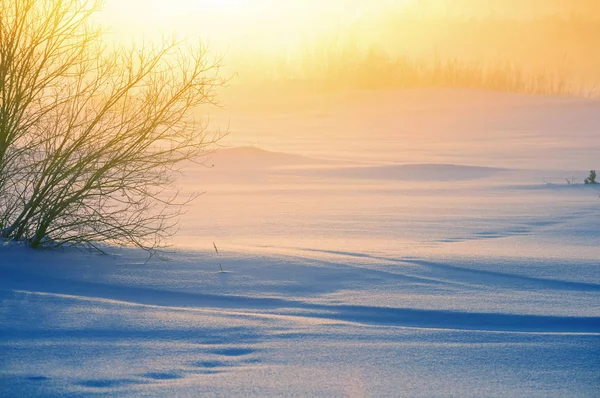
x: 384, y: 243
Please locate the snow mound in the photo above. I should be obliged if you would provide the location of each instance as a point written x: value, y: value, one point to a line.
x: 411, y: 172
x: 255, y: 158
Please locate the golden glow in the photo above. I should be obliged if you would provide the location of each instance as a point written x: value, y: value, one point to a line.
x: 224, y: 5
x: 296, y: 38
x: 263, y: 24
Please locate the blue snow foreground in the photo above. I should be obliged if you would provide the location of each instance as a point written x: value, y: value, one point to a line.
x: 299, y: 322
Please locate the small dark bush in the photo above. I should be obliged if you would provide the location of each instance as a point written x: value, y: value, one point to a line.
x: 592, y: 178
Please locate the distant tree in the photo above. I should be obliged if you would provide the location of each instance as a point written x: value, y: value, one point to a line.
x: 592, y: 178
x: 92, y: 135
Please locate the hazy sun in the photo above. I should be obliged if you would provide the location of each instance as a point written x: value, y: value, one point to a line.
x: 228, y: 5
x: 209, y: 6
x: 239, y: 23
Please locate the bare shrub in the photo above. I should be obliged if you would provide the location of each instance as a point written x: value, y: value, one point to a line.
x: 91, y: 135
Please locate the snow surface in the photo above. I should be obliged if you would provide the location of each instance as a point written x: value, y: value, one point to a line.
x: 362, y: 273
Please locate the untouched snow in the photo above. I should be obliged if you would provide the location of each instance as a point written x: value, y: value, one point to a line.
x: 346, y: 277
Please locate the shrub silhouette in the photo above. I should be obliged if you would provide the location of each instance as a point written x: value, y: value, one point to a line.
x: 92, y: 135
x: 592, y: 178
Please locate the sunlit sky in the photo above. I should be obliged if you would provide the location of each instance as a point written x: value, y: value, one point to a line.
x: 256, y: 23
x: 255, y: 33
x: 276, y: 24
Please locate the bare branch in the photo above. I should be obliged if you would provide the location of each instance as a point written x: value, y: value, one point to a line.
x: 91, y: 138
